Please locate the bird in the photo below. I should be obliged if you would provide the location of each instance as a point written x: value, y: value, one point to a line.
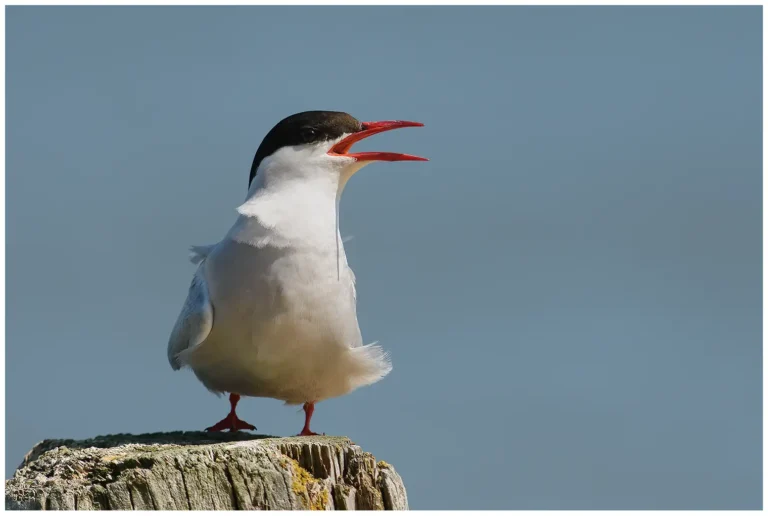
x: 271, y: 309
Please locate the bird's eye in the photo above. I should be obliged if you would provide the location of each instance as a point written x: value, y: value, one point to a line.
x: 308, y: 134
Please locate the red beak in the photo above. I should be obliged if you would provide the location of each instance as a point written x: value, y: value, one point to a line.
x: 369, y: 129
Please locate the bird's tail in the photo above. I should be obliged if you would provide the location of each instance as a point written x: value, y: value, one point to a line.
x: 198, y: 253
x: 373, y: 364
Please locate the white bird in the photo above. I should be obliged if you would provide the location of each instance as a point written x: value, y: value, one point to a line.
x: 271, y: 311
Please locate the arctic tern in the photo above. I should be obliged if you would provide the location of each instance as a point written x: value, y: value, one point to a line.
x: 271, y: 310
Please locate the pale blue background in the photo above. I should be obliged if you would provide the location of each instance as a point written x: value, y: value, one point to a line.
x: 570, y: 288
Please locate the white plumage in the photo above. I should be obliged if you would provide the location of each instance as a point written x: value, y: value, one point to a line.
x: 271, y: 311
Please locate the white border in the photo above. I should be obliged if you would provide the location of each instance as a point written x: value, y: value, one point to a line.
x: 765, y: 283
x: 380, y: 2
x: 2, y: 240
x: 390, y: 2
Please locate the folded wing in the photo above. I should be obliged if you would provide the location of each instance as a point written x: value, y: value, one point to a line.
x: 194, y: 323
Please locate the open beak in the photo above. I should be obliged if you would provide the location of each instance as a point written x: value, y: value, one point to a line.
x: 369, y: 129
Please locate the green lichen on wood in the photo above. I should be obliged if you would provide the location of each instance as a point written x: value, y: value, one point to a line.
x: 321, y: 501
x: 311, y: 490
x: 195, y: 470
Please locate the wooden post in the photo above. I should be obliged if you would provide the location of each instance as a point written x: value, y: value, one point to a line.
x: 205, y: 471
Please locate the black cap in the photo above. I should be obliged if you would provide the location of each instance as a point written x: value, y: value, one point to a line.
x: 303, y: 128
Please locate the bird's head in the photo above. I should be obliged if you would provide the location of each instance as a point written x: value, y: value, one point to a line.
x: 316, y: 142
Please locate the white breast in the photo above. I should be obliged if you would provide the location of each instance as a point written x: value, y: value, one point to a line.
x: 285, y: 323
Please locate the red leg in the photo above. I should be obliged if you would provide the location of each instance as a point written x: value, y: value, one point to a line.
x: 231, y: 422
x: 309, y: 409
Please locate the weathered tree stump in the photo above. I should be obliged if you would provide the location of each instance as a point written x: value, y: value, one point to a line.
x: 207, y: 471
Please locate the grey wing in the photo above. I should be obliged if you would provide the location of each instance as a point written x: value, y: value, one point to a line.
x: 194, y: 323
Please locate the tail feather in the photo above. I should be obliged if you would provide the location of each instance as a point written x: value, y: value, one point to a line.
x: 198, y: 253
x: 373, y: 364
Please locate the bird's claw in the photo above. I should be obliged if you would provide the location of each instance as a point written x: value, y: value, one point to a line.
x: 306, y: 432
x: 231, y: 423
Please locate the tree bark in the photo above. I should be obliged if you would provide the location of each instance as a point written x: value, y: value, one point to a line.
x: 205, y: 471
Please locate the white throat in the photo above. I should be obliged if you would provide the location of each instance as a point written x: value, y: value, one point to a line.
x: 294, y: 200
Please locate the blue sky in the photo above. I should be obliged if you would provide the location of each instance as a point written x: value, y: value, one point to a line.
x: 570, y: 289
